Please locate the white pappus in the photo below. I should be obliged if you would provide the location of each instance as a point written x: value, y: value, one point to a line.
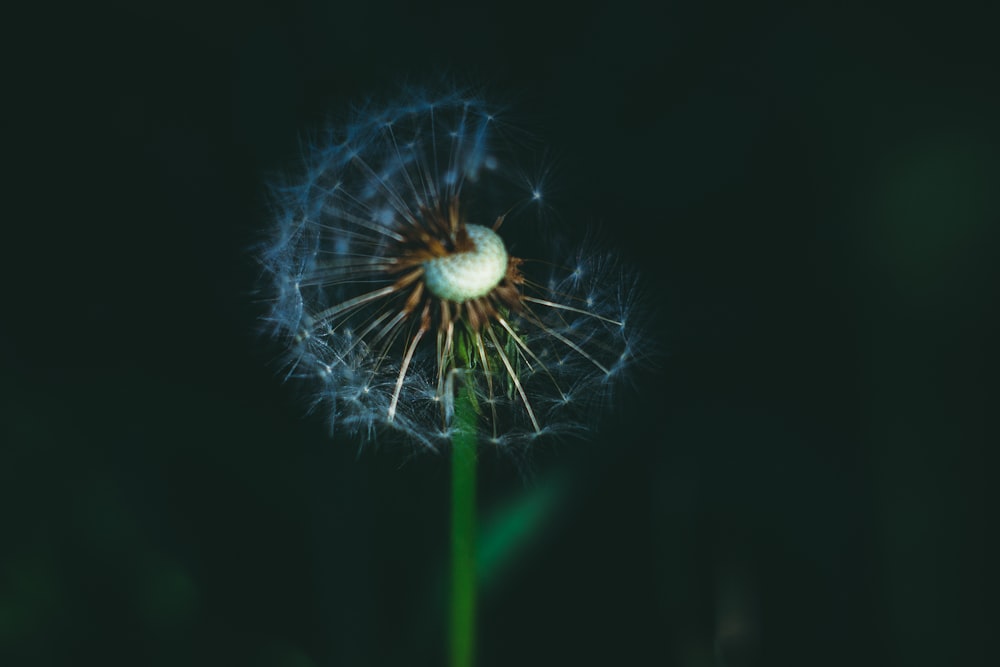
x: 394, y: 276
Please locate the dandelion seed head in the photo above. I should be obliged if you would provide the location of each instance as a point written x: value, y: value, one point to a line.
x: 393, y: 284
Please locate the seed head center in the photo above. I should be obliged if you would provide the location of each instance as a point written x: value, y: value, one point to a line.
x: 462, y: 276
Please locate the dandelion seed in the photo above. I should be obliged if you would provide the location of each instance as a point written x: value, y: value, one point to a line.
x: 392, y: 276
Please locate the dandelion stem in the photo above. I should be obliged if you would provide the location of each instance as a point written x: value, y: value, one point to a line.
x: 462, y: 629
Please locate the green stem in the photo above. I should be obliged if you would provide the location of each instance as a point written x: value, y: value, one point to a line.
x: 463, y: 531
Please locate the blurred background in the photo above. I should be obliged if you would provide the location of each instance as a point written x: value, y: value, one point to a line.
x: 800, y: 477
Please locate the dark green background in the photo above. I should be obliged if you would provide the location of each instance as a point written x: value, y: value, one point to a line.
x: 799, y: 477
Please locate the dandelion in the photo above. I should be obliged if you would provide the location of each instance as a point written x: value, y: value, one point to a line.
x: 396, y: 283
x: 400, y: 287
